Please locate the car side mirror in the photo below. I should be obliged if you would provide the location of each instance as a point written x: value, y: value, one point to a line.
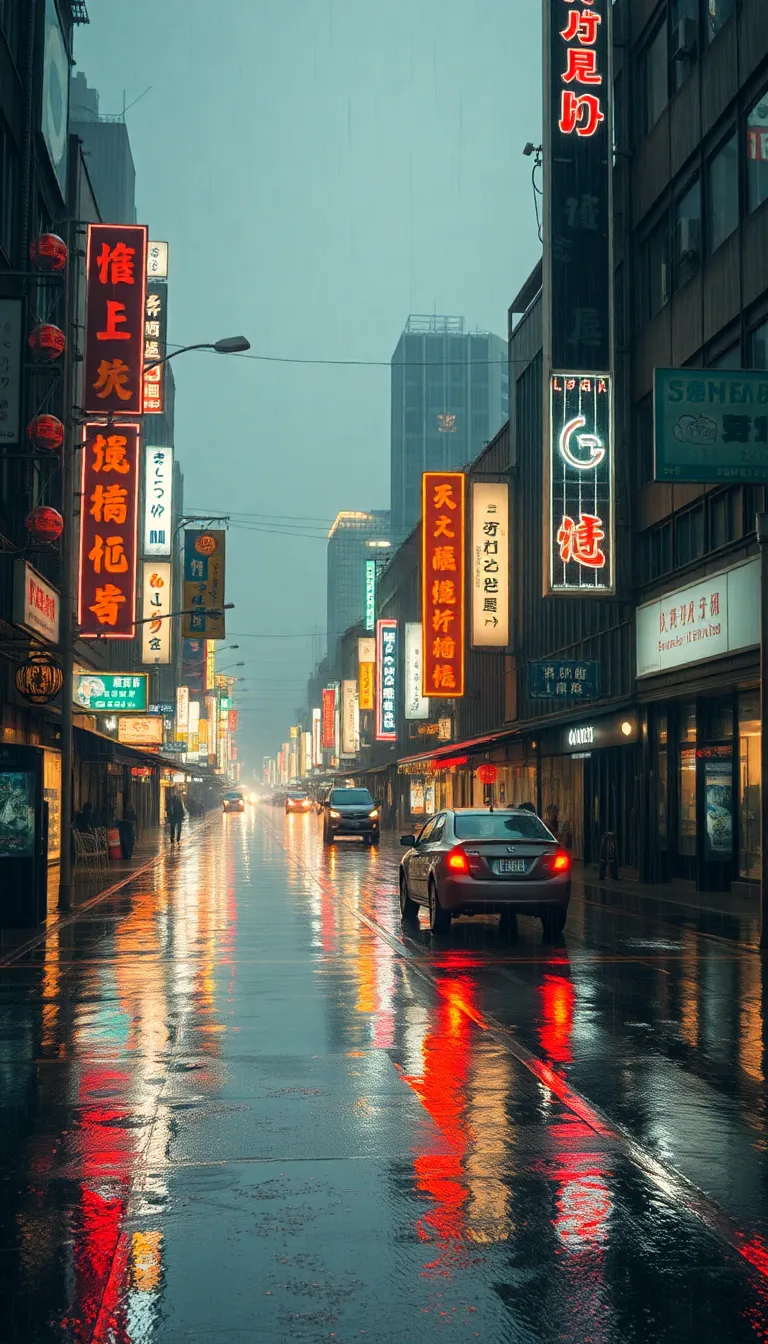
x: 408, y: 841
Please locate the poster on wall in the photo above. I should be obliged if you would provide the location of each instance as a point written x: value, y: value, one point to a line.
x: 17, y: 814
x: 717, y: 765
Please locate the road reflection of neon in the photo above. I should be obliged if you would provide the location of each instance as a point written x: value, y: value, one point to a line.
x: 556, y: 1018
x: 583, y: 1199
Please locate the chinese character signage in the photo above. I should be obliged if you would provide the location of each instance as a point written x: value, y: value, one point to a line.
x: 490, y: 566
x: 349, y: 729
x: 155, y: 323
x: 182, y: 711
x: 193, y: 666
x: 577, y: 167
x: 720, y: 614
x: 111, y: 692
x: 370, y: 594
x: 442, y: 583
x: 416, y: 704
x: 563, y: 680
x: 36, y: 604
x: 155, y: 611
x: 580, y: 505
x: 158, y: 486
x: 329, y: 711
x: 710, y: 426
x: 232, y: 720
x: 157, y: 261
x: 116, y: 268
x: 140, y: 732
x: 10, y: 369
x: 204, y: 584
x: 317, y: 737
x: 108, y: 527
x: 386, y: 689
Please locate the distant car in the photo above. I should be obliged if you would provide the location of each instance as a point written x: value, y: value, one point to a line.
x: 350, y: 812
x: 233, y: 802
x: 296, y: 801
x: 468, y: 861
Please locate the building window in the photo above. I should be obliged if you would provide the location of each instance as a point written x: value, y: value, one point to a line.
x: 749, y: 785
x: 689, y: 536
x: 684, y: 39
x: 653, y: 278
x: 654, y: 86
x: 757, y: 153
x: 759, y: 347
x: 716, y: 13
x: 687, y: 234
x: 729, y: 359
x: 722, y: 194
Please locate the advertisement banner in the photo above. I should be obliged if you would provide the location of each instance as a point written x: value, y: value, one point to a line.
x: 348, y: 718
x: 329, y: 708
x: 108, y: 526
x: 203, y: 593
x: 10, y: 370
x: 98, y: 692
x: 490, y: 566
x: 155, y: 609
x: 158, y: 489
x: 155, y: 324
x: 386, y: 690
x: 416, y: 704
x: 138, y: 732
x: 317, y: 737
x: 442, y: 583
x: 710, y: 426
x: 36, y: 603
x: 116, y: 277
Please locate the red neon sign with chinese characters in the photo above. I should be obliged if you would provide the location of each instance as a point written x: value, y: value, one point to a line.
x: 108, y: 532
x: 581, y: 113
x: 329, y: 718
x: 155, y: 322
x: 116, y: 268
x: 443, y: 568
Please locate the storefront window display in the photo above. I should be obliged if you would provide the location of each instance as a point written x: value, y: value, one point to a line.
x: 750, y: 865
x: 562, y: 788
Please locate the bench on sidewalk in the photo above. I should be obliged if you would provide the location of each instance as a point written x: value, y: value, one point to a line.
x: 91, y: 850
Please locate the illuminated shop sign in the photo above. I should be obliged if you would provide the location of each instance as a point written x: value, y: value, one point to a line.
x: 155, y: 323
x: 442, y: 583
x: 370, y: 594
x: 116, y: 271
x: 580, y: 538
x: 158, y: 487
x: 386, y: 681
x: 156, y: 610
x: 328, y: 719
x: 490, y: 566
x: 108, y: 532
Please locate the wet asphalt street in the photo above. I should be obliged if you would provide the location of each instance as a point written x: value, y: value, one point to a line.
x: 237, y: 1104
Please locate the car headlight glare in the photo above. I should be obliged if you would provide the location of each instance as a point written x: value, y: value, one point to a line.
x: 334, y: 814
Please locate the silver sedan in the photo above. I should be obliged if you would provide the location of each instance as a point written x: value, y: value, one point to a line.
x: 478, y: 861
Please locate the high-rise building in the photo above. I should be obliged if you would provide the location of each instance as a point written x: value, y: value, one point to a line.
x: 353, y: 539
x: 107, y: 152
x: 450, y: 395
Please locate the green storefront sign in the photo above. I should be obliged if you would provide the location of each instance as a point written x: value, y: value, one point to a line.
x: 710, y: 425
x: 116, y: 692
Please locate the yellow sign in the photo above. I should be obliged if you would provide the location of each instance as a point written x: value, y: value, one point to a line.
x: 367, y: 673
x: 204, y: 585
x: 141, y: 732
x: 210, y: 664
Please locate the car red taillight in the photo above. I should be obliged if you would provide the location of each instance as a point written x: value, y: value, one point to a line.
x: 561, y: 862
x: 456, y: 861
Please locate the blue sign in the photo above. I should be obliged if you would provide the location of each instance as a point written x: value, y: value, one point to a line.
x: 710, y: 425
x: 551, y: 679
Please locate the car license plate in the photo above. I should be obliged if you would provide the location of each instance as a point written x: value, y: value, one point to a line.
x: 509, y: 866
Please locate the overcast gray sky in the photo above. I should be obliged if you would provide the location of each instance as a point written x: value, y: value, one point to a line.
x: 321, y: 169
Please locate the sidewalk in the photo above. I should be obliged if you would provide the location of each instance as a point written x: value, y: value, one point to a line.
x: 734, y: 915
x: 89, y: 888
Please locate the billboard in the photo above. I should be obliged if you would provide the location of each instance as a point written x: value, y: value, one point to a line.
x: 116, y: 277
x: 99, y: 692
x: 490, y: 566
x: 155, y: 325
x: 710, y: 426
x: 416, y: 704
x: 156, y: 593
x: 577, y: 292
x: 442, y: 583
x: 158, y: 491
x: 108, y: 532
x: 386, y: 681
x: 203, y: 597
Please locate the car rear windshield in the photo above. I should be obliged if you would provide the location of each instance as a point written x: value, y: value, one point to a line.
x: 351, y: 798
x: 294, y: 794
x: 499, y: 826
x: 233, y: 797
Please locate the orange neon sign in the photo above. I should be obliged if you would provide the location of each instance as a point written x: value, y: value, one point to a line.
x: 443, y: 564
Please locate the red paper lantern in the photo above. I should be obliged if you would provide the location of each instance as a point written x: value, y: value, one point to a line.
x: 47, y: 341
x: 487, y: 774
x: 49, y: 252
x: 45, y: 524
x: 46, y: 431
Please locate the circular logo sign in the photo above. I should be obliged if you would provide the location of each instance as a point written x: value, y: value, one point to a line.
x: 205, y: 544
x: 487, y: 774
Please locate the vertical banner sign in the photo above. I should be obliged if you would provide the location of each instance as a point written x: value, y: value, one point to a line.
x: 204, y: 585
x: 386, y: 681
x: 348, y: 717
x: 157, y: 261
x: 442, y: 583
x: 155, y: 324
x: 490, y: 566
x: 10, y: 370
x: 366, y: 669
x: 108, y: 532
x: 193, y: 666
x: 232, y: 720
x: 578, y: 268
x: 158, y: 487
x: 416, y: 704
x: 329, y: 708
x: 194, y: 726
x: 370, y: 594
x: 116, y: 271
x: 182, y: 711
x: 210, y: 664
x: 317, y: 737
x: 155, y: 611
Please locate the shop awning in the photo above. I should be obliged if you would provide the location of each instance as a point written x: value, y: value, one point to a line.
x: 96, y: 746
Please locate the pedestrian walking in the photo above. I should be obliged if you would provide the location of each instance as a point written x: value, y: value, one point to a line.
x: 174, y: 811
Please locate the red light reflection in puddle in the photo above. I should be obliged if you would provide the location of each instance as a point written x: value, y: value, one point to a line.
x: 556, y: 1018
